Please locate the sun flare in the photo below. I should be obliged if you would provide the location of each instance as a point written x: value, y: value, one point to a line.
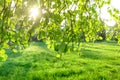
x: 105, y: 15
x: 34, y: 12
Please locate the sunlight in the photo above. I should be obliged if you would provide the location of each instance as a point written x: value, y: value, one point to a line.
x: 108, y: 20
x: 13, y: 6
x: 34, y: 12
x: 115, y: 4
x: 106, y: 16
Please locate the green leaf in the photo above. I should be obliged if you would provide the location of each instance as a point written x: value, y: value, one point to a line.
x: 2, y: 51
x: 87, y: 39
x: 3, y: 56
x: 15, y: 50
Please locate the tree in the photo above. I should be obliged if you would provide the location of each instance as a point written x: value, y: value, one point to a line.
x: 17, y: 27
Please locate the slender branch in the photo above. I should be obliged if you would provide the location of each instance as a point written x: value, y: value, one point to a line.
x: 3, y: 7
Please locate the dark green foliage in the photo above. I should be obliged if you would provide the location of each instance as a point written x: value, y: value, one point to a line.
x: 102, y: 34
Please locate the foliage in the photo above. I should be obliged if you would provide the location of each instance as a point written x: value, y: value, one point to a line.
x: 80, y: 16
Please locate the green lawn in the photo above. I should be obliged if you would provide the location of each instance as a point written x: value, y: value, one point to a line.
x: 98, y: 61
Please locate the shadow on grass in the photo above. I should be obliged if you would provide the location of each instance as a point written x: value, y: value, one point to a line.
x: 108, y: 45
x: 57, y: 75
x: 97, y: 55
x: 90, y: 54
x: 18, y: 65
x: 11, y: 54
x: 13, y: 69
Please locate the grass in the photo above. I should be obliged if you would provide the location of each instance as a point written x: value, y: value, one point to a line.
x: 98, y: 61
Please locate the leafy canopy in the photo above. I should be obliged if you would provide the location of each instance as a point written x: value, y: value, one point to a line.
x: 62, y: 24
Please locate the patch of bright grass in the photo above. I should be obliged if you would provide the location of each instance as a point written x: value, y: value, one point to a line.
x: 98, y: 61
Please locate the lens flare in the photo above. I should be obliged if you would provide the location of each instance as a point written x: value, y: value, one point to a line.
x: 34, y: 12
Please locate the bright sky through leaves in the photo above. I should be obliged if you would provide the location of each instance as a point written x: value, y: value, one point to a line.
x: 115, y: 4
x: 106, y: 16
x: 34, y: 12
